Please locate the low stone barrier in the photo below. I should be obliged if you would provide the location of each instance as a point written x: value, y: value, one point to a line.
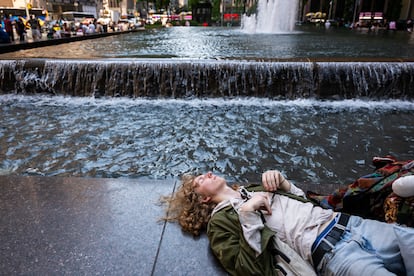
x: 11, y: 47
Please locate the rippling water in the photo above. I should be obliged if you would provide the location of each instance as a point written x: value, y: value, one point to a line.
x: 310, y: 141
x: 232, y: 43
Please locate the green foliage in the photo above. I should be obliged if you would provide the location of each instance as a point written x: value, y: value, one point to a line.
x: 252, y: 9
x: 156, y: 25
x: 160, y: 4
x: 192, y: 3
x: 215, y: 13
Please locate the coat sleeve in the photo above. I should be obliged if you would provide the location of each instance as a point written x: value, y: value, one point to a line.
x: 252, y: 226
x: 296, y: 191
x: 230, y: 247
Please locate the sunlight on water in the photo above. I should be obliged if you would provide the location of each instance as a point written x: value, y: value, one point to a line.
x: 233, y: 43
x: 310, y: 141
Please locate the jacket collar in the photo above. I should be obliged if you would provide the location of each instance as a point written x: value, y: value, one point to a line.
x: 234, y: 202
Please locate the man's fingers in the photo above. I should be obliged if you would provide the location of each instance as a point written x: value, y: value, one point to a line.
x: 267, y: 206
x: 270, y: 180
x: 265, y: 183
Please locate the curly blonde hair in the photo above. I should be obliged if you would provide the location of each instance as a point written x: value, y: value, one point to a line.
x: 186, y: 207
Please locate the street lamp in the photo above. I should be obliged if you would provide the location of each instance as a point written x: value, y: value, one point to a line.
x: 26, y: 5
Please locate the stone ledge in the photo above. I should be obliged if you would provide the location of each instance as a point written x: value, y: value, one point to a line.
x: 13, y: 47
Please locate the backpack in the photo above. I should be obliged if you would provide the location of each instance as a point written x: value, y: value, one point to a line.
x: 287, y: 261
x: 400, y: 210
x: 371, y: 196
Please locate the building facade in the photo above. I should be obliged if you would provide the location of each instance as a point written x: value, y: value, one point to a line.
x: 350, y: 9
x: 344, y: 9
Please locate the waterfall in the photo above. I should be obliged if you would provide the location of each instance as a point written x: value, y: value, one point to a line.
x: 272, y: 16
x: 208, y: 79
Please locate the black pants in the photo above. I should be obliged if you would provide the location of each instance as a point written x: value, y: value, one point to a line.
x: 11, y: 35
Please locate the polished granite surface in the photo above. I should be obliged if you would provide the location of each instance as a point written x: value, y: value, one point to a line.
x: 56, y: 226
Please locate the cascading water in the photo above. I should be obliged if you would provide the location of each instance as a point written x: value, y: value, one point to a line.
x: 272, y: 16
x: 212, y: 79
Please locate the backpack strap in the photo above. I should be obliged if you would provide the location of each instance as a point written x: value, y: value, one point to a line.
x: 299, y: 198
x: 259, y: 188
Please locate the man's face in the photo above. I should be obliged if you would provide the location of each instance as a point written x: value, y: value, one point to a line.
x: 208, y: 184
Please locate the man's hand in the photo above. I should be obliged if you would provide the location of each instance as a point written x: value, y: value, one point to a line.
x: 259, y: 202
x: 273, y: 180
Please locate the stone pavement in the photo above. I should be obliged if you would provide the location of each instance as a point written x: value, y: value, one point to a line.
x: 83, y: 226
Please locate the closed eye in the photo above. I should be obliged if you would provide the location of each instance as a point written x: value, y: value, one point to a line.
x: 199, y: 179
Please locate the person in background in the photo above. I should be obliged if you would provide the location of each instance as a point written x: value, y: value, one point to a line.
x: 8, y: 26
x: 35, y: 27
x: 20, y: 28
x: 99, y: 27
x: 66, y: 30
x: 57, y: 31
x: 91, y: 28
x: 240, y: 221
x: 392, y: 25
x: 410, y: 25
x: 4, y: 37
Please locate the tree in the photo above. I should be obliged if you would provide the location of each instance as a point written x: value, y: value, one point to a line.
x: 349, y: 10
x: 215, y: 13
x: 302, y: 8
x: 192, y: 3
x: 394, y: 9
x: 162, y: 4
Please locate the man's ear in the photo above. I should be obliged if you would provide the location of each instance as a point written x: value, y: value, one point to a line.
x: 206, y: 199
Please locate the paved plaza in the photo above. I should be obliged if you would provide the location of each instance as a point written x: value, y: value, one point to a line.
x: 84, y: 226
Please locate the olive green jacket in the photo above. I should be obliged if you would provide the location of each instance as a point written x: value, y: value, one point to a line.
x: 232, y: 250
x: 238, y: 258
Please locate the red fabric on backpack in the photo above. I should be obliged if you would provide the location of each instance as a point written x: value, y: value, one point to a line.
x: 368, y: 196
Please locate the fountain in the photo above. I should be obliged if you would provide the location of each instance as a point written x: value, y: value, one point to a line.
x: 209, y: 79
x: 164, y: 102
x: 273, y: 16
